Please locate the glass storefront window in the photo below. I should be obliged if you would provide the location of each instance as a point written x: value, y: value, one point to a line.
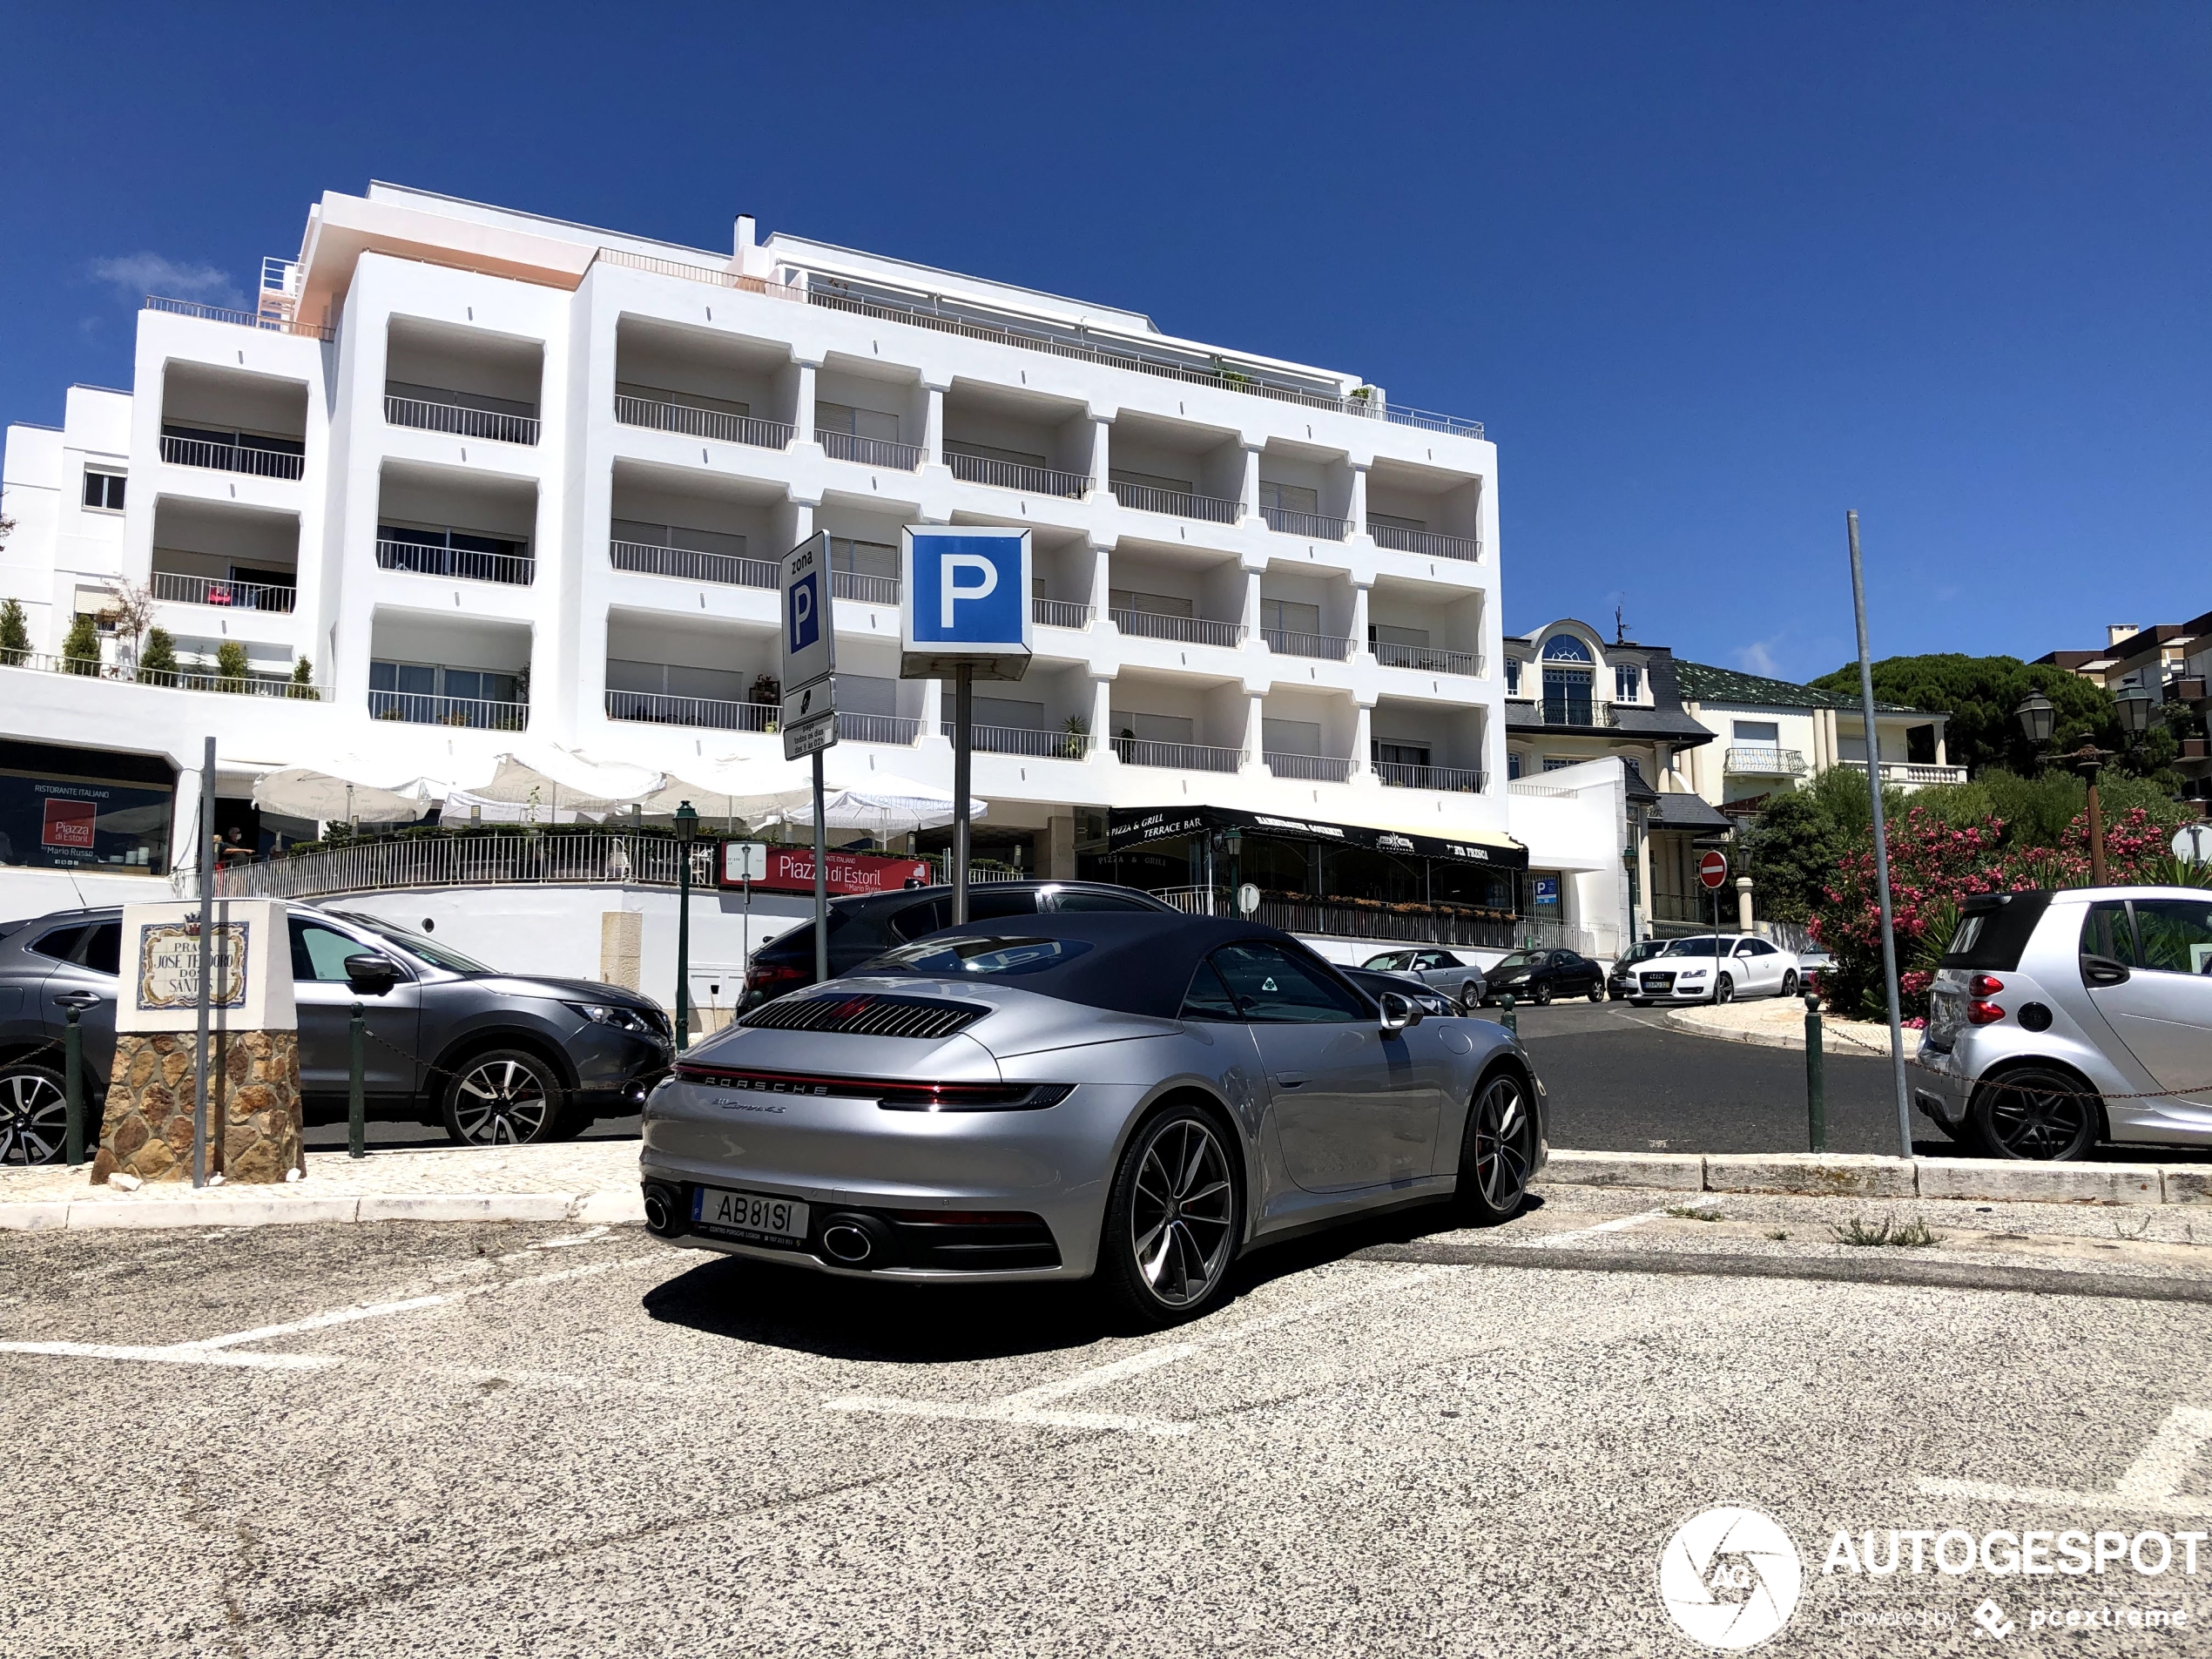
x: 68, y: 809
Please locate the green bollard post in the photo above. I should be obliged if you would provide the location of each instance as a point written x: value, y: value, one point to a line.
x: 1815, y: 1076
x: 1506, y: 1017
x: 356, y: 1064
x: 72, y: 1090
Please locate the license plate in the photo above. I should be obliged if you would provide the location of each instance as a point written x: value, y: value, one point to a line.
x: 748, y: 1214
x: 1658, y: 982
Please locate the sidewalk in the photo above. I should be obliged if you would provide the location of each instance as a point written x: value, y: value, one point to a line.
x: 593, y: 1181
x: 1779, y: 1022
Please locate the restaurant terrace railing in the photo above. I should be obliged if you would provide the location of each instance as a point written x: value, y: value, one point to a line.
x: 1318, y: 769
x: 1432, y: 543
x: 210, y: 591
x: 241, y: 318
x: 1429, y: 659
x: 1178, y: 757
x: 1180, y: 503
x: 696, y: 422
x: 1039, y: 743
x: 232, y: 457
x: 468, y: 860
x: 732, y: 569
x: 1291, y: 522
x: 461, y: 420
x: 1289, y: 642
x: 1014, y: 474
x: 1417, y: 924
x: 466, y: 564
x: 717, y: 714
x: 180, y: 679
x: 1192, y: 630
x: 1062, y: 613
x: 420, y: 708
x: 1458, y: 779
x: 868, y: 452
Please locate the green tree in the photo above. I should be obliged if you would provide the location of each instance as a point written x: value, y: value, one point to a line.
x: 1979, y: 694
x: 15, y: 632
x: 158, y: 662
x: 81, y: 650
x: 303, y: 678
x: 230, y: 666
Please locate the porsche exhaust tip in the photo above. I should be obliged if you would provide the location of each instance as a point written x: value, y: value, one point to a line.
x: 660, y: 1212
x: 848, y: 1242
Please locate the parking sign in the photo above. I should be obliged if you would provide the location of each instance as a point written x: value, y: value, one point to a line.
x: 810, y: 641
x: 964, y: 601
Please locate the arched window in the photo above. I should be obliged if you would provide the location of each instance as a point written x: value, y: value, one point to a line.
x: 1565, y: 647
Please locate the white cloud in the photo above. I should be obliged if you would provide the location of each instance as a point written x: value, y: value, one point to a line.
x: 1757, y: 657
x: 139, y: 275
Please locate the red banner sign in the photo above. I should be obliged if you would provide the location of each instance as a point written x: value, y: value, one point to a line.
x: 69, y: 824
x: 791, y: 869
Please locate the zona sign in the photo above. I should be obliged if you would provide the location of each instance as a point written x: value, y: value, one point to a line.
x: 1712, y: 869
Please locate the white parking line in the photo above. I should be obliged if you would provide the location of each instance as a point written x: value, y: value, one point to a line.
x: 1618, y: 1225
x: 176, y: 1354
x: 2152, y: 1484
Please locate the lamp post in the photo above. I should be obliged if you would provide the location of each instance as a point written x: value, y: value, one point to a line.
x: 2038, y: 720
x: 687, y: 825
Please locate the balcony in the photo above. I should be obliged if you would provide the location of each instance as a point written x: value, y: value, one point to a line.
x: 876, y: 728
x: 207, y: 591
x: 1428, y: 659
x: 868, y: 452
x: 1176, y: 757
x: 168, y: 679
x: 1319, y: 769
x: 1010, y: 475
x: 1434, y: 543
x: 251, y: 459
x: 1912, y: 775
x: 1559, y: 711
x: 467, y: 564
x: 648, y: 558
x: 1036, y: 742
x: 653, y: 708
x: 1177, y: 503
x: 1756, y: 760
x: 274, y: 324
x: 460, y: 420
x: 694, y: 421
x: 422, y: 708
x: 1458, y: 779
x: 861, y: 586
x: 1318, y: 525
x: 1287, y: 643
x: 1062, y: 613
x: 1190, y: 631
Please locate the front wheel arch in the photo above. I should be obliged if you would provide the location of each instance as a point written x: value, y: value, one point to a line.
x: 1471, y: 1200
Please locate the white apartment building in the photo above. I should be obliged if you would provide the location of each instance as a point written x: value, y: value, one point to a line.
x: 501, y: 482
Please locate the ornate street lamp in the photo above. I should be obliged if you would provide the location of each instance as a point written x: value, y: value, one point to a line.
x: 687, y: 826
x: 2135, y: 706
x: 2039, y: 719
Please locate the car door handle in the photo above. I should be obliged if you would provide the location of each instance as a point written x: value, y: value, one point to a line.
x: 77, y: 1000
x: 1292, y: 1079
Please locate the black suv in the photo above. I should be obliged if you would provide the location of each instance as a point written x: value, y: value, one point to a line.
x: 864, y: 926
x: 497, y: 1058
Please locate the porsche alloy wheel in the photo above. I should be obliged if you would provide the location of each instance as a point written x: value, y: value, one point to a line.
x: 1171, y: 1221
x: 1497, y: 1153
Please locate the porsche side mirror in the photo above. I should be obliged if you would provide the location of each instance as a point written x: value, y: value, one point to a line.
x: 369, y: 974
x: 2102, y: 970
x: 1398, y: 1012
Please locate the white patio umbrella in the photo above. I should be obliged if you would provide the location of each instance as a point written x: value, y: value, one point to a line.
x: 884, y: 804
x: 348, y: 791
x: 553, y: 785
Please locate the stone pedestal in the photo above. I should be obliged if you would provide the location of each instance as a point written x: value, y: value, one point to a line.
x: 253, y: 1107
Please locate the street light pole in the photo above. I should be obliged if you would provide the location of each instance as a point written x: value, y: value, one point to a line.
x: 1881, y: 848
x: 687, y: 825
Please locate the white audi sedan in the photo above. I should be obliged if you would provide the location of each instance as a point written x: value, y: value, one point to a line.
x: 1703, y: 969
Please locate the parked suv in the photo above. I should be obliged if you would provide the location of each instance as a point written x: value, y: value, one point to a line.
x: 496, y: 1058
x: 865, y: 924
x: 2059, y: 1019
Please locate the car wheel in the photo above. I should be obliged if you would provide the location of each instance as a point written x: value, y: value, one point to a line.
x: 1498, y: 1150
x: 1597, y: 992
x: 1727, y: 992
x: 1171, y: 1219
x: 1789, y: 984
x: 1471, y: 1003
x: 505, y: 1097
x: 2036, y: 1113
x: 1541, y: 994
x: 34, y: 1115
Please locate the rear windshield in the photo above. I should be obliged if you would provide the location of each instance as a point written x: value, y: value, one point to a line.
x: 1994, y: 931
x: 972, y: 954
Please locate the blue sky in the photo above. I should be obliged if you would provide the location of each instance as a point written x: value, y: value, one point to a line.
x: 1711, y: 274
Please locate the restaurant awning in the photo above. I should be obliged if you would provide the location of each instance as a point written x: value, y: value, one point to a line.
x: 1128, y: 828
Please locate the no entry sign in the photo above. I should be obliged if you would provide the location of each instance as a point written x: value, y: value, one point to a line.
x: 1712, y: 869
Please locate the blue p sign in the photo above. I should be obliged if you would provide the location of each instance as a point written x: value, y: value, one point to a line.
x: 964, y: 602
x: 806, y: 611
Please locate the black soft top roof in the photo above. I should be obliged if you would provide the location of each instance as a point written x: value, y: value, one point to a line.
x: 1137, y: 963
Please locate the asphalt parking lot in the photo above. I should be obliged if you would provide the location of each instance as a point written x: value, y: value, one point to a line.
x: 391, y: 1439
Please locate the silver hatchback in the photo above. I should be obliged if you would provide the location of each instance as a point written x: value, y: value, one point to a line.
x: 2060, y: 1020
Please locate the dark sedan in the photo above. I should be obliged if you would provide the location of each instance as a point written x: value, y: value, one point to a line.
x: 1538, y: 976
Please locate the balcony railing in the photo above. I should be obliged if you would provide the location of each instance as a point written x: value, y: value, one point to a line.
x: 1062, y: 613
x: 869, y: 452
x: 516, y: 569
x: 1458, y: 779
x: 232, y: 457
x: 1176, y: 757
x: 207, y: 591
x: 1190, y: 630
x: 1150, y: 498
x: 649, y: 558
x: 460, y: 422
x: 419, y: 708
x: 1912, y: 773
x: 1294, y: 522
x: 182, y: 680
x: 714, y: 713
x: 1287, y: 643
x: 866, y: 589
x: 1757, y: 760
x: 1319, y: 769
x: 696, y: 422
x: 1039, y: 743
x: 469, y: 861
x: 1432, y: 542
x: 243, y: 318
x: 1014, y: 474
x: 1429, y: 659
x: 853, y: 727
x: 1559, y: 711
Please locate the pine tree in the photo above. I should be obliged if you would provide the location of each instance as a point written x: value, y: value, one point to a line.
x: 15, y: 632
x: 158, y: 662
x: 230, y: 666
x: 81, y: 650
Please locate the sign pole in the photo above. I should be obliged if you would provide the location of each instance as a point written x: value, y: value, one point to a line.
x: 963, y: 716
x: 206, y: 953
x: 1881, y: 846
x: 821, y: 879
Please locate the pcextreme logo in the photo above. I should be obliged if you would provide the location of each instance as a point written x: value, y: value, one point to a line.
x: 1730, y: 1577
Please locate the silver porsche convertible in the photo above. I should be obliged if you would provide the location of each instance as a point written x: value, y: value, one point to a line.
x: 1136, y: 1097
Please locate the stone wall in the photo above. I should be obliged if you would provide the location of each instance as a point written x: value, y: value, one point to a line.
x: 254, y: 1084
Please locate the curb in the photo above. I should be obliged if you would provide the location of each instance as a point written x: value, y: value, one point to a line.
x: 81, y: 1216
x: 1834, y: 1042
x: 1844, y: 1175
